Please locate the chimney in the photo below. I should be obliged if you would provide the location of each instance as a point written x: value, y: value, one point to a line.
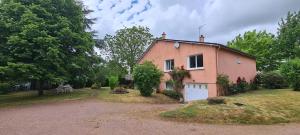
x: 163, y: 35
x: 201, y: 38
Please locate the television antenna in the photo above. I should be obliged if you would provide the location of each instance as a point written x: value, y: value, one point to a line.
x: 200, y: 27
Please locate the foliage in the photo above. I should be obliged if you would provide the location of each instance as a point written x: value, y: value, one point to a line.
x: 178, y: 75
x: 291, y: 70
x: 4, y: 87
x: 273, y: 80
x: 288, y: 36
x: 127, y: 45
x: 241, y: 84
x: 223, y: 83
x: 146, y: 76
x: 45, y: 42
x: 259, y: 44
x: 216, y: 100
x: 96, y: 86
x: 113, y: 82
x: 172, y: 94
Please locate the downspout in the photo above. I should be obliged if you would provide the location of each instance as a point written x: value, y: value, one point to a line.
x: 217, y: 67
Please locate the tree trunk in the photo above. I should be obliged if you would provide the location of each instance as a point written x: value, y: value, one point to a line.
x: 40, y: 88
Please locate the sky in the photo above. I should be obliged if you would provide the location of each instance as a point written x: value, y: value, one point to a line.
x: 220, y: 20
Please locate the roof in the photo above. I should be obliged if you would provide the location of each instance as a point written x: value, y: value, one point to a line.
x: 198, y: 43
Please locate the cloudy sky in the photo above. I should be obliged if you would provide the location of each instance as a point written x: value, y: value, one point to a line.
x: 222, y: 20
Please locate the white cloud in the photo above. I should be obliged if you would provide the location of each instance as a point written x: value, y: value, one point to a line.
x: 180, y: 19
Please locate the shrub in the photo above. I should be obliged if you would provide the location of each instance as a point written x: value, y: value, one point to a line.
x: 177, y: 75
x: 223, y: 83
x: 216, y: 100
x: 242, y: 84
x: 273, y: 80
x: 113, y: 82
x: 146, y: 76
x: 172, y: 94
x: 291, y: 70
x: 4, y: 88
x: 96, y: 86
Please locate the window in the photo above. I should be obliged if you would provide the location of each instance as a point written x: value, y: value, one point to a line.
x: 169, y: 86
x: 196, y: 61
x: 169, y: 65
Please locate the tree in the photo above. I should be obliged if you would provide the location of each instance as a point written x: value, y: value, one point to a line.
x: 289, y: 36
x: 146, y: 76
x: 291, y: 70
x: 128, y: 45
x: 45, y: 41
x: 261, y: 45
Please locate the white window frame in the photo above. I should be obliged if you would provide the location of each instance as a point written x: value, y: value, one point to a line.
x: 195, y: 68
x: 165, y: 65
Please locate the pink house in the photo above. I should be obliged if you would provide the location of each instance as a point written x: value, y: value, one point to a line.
x: 204, y: 61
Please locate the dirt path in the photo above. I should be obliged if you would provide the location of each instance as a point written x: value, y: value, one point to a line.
x: 100, y: 118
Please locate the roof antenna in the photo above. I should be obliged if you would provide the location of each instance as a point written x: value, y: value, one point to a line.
x: 199, y: 28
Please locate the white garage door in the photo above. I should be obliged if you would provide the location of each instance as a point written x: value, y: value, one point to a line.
x: 194, y: 91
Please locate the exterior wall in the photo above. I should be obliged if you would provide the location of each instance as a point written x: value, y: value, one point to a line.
x: 163, y: 50
x: 228, y: 64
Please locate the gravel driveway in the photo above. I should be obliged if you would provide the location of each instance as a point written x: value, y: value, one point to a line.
x: 92, y: 117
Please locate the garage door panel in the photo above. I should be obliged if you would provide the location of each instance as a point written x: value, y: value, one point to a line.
x: 196, y: 92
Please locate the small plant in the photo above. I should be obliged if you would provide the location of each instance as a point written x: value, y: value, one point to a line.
x: 172, y: 94
x: 273, y: 80
x: 113, y: 82
x: 120, y: 90
x: 146, y: 76
x: 291, y: 70
x: 96, y: 86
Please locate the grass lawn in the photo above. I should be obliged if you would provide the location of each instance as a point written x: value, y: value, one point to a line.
x: 31, y: 97
x: 133, y: 97
x: 260, y: 107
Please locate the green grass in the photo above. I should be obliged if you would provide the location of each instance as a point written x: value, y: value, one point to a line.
x: 260, y: 107
x: 31, y: 97
x: 133, y: 96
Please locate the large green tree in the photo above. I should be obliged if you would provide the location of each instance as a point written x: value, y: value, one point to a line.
x: 127, y: 45
x: 259, y: 44
x: 45, y: 41
x: 289, y: 36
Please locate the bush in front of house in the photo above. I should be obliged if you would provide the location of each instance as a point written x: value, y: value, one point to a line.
x: 113, y: 82
x: 273, y: 80
x: 172, y: 94
x: 291, y: 70
x: 4, y: 88
x: 223, y: 84
x: 240, y: 86
x: 146, y: 77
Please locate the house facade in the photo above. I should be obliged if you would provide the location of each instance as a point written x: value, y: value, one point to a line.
x: 203, y: 60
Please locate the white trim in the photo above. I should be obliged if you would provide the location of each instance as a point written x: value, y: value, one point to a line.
x: 199, y: 68
x: 165, y: 65
x: 196, y: 68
